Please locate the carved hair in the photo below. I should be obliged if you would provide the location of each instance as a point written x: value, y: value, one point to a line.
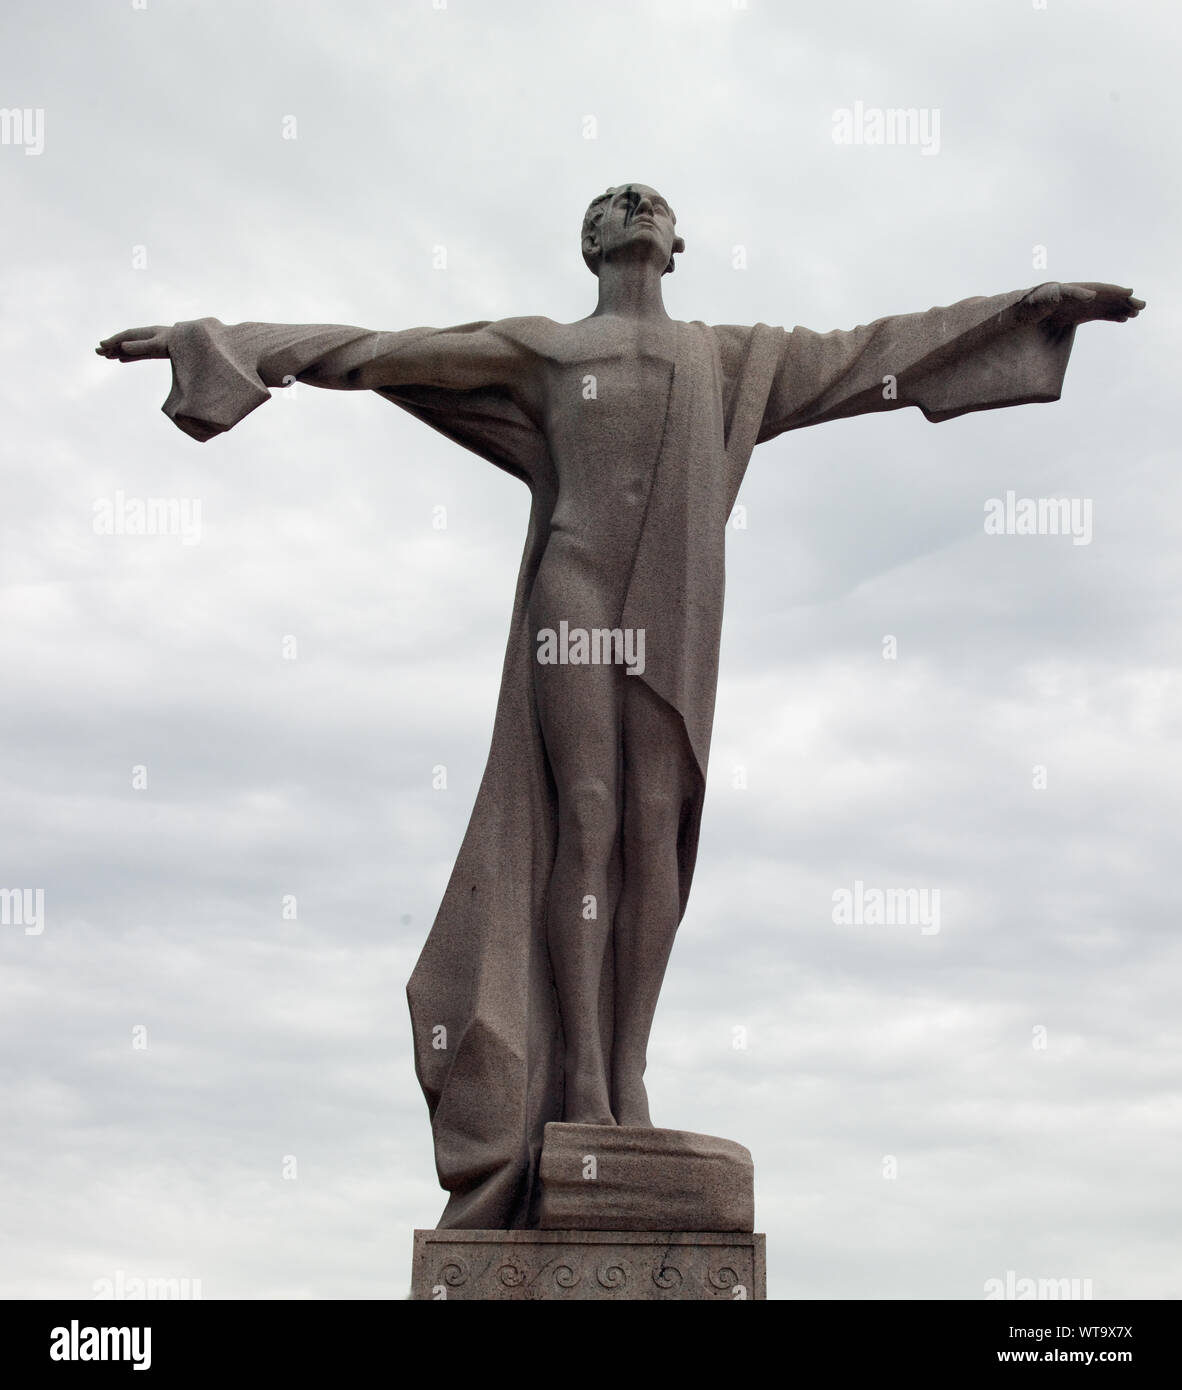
x: 591, y: 220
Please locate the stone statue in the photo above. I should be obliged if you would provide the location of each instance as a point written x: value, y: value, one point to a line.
x: 534, y: 995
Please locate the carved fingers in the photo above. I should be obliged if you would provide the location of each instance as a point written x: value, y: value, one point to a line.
x: 135, y: 343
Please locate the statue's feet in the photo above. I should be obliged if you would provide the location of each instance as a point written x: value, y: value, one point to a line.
x: 632, y: 1102
x: 587, y: 1101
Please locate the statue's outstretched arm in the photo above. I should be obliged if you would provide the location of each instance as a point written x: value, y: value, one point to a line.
x: 221, y: 372
x: 979, y: 354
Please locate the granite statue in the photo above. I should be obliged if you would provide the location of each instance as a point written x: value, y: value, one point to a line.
x: 632, y: 432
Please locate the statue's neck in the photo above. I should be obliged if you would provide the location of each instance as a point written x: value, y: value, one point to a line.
x: 630, y: 289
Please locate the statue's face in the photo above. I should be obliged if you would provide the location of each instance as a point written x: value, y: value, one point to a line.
x: 637, y: 221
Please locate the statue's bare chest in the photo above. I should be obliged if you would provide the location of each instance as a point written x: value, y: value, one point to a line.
x: 609, y: 383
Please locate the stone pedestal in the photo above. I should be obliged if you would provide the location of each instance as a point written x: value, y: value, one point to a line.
x: 577, y: 1265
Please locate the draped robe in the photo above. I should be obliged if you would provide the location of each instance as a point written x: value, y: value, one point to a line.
x: 493, y: 1076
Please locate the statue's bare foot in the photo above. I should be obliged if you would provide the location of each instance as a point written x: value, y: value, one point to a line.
x: 587, y: 1101
x: 632, y: 1102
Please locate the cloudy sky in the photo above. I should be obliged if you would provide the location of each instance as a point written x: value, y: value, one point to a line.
x: 1016, y: 1071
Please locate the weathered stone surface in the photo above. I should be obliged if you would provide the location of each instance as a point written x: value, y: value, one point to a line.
x: 581, y: 1266
x: 630, y: 1178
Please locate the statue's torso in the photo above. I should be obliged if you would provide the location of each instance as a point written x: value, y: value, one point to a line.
x: 602, y: 396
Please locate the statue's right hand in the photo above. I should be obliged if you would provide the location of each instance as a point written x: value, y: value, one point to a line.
x: 134, y: 343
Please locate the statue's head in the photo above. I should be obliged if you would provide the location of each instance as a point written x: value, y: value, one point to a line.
x: 629, y: 219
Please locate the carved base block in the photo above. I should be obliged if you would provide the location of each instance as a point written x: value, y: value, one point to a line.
x: 627, y: 1178
x: 588, y: 1265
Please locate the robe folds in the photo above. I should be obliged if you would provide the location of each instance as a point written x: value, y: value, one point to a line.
x: 487, y: 1032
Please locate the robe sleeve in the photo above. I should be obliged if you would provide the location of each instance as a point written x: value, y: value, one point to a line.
x: 221, y: 372
x: 978, y: 354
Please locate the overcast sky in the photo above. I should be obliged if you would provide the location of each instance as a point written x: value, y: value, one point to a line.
x: 165, y: 189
